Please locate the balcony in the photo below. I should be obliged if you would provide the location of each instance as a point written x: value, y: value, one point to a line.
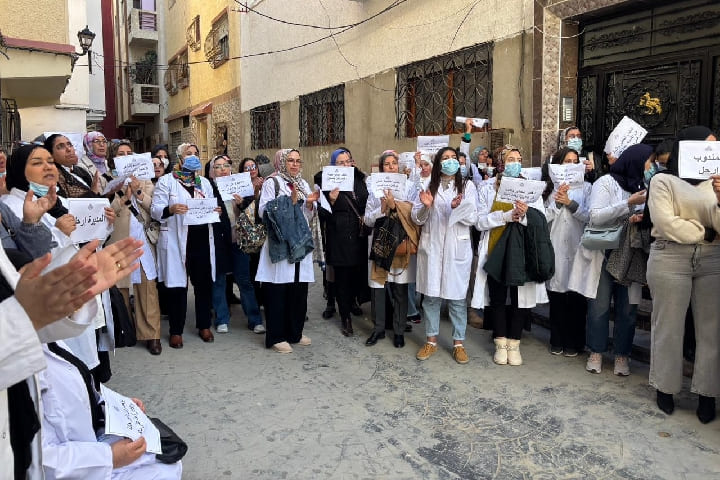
x: 142, y: 28
x: 145, y: 100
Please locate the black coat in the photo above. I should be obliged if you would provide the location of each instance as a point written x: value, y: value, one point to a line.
x: 223, y: 237
x: 345, y: 243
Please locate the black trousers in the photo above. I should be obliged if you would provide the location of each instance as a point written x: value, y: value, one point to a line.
x: 285, y: 310
x: 197, y: 263
x: 568, y: 315
x: 507, y: 320
x: 346, y: 288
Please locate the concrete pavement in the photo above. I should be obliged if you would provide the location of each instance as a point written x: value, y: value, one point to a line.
x: 340, y: 410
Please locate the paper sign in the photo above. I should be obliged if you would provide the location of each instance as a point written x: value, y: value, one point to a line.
x: 201, y: 211
x: 477, y: 122
x: 90, y: 221
x: 114, y: 183
x: 531, y: 173
x: 406, y: 161
x: 238, y: 183
x: 431, y: 145
x: 125, y: 419
x: 698, y: 159
x: 323, y: 199
x: 628, y: 132
x: 139, y: 165
x: 338, y: 177
x: 395, y: 182
x: 572, y: 174
x: 75, y: 138
x: 512, y: 190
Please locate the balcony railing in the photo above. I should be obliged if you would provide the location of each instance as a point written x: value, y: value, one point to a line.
x: 142, y: 27
x: 145, y: 100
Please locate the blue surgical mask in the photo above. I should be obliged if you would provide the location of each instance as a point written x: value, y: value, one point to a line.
x: 463, y: 170
x: 650, y: 173
x: 191, y: 163
x: 661, y: 167
x: 450, y: 166
x: 512, y: 169
x: 576, y: 144
x: 39, y: 190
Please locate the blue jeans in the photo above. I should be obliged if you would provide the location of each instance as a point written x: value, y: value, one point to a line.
x: 412, y: 300
x: 458, y: 316
x: 219, y: 302
x: 598, y: 322
x: 241, y: 273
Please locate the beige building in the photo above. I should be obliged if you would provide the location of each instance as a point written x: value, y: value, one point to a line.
x: 44, y: 83
x: 202, y: 43
x: 372, y: 75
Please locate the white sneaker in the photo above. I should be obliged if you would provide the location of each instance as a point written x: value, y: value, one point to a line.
x: 304, y: 341
x: 594, y: 363
x: 222, y: 328
x: 282, y: 347
x: 622, y: 366
x: 501, y: 354
x: 260, y: 328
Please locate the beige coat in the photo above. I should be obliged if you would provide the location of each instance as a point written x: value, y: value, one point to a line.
x: 122, y: 219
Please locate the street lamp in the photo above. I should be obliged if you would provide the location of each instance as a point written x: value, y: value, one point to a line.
x: 86, y: 37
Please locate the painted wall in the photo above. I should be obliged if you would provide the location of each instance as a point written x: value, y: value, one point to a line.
x: 96, y: 93
x: 44, y: 20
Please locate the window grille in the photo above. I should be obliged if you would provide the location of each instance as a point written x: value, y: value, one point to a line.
x: 265, y: 126
x: 431, y: 93
x: 322, y: 117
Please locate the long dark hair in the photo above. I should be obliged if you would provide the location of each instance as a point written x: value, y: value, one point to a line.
x: 436, y: 172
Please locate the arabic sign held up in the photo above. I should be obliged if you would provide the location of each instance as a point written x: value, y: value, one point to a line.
x: 699, y: 159
x: 90, y: 221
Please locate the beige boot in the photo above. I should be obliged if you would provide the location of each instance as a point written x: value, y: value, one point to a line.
x: 513, y: 352
x: 501, y: 353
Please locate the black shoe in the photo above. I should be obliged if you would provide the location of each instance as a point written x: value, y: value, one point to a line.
x: 408, y: 327
x: 329, y: 312
x: 706, y: 409
x: 399, y: 341
x: 347, y: 328
x: 373, y: 338
x: 665, y: 402
x: 356, y: 310
x: 414, y: 318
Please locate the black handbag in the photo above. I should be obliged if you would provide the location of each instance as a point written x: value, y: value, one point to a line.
x: 173, y: 447
x: 125, y: 334
x: 388, y: 233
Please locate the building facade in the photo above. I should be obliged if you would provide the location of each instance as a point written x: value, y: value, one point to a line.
x: 202, y: 79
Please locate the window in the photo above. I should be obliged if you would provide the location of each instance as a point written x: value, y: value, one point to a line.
x: 322, y: 117
x: 265, y: 126
x: 217, y: 43
x: 177, y: 74
x: 192, y: 34
x: 431, y: 93
x: 186, y: 121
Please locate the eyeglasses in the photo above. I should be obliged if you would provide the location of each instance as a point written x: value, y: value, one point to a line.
x: 294, y: 160
x: 222, y: 166
x: 250, y: 168
x: 99, y: 141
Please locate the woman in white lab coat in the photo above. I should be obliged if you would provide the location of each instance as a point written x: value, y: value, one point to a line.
x: 180, y: 245
x: 446, y: 210
x: 567, y: 212
x: 398, y: 278
x: 493, y: 216
x: 285, y: 284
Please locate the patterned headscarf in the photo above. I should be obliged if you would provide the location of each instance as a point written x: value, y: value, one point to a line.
x: 297, y: 180
x: 97, y: 160
x: 279, y: 159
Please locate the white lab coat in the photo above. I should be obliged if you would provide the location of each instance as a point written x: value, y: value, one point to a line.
x: 21, y: 354
x: 70, y: 446
x: 372, y: 213
x: 84, y: 344
x: 530, y: 293
x: 566, y: 229
x: 608, y: 203
x: 283, y: 271
x: 172, y: 241
x: 445, y: 252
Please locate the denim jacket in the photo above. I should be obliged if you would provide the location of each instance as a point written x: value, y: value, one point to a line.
x: 289, y: 237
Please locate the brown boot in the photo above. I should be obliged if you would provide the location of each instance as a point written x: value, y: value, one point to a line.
x: 474, y: 319
x: 347, y: 328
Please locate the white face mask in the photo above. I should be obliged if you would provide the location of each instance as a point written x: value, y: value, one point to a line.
x: 576, y: 144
